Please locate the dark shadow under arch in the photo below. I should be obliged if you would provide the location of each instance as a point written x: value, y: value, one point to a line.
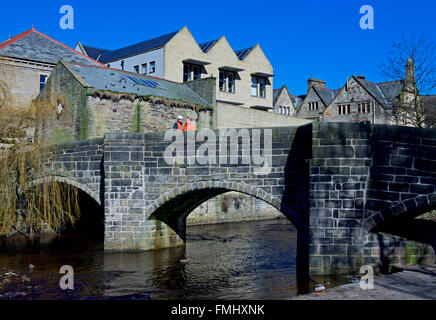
x: 176, y: 209
x: 91, y: 221
x: 401, y: 212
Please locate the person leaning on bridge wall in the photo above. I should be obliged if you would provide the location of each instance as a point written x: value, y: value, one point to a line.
x: 178, y: 125
x: 189, y: 125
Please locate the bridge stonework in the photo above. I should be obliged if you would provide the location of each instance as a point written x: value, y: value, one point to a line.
x: 340, y: 185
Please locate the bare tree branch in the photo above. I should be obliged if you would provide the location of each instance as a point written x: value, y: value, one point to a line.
x: 412, y: 108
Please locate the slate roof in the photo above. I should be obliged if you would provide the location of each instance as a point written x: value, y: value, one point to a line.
x: 137, y: 48
x: 107, y: 79
x: 384, y: 92
x: 430, y: 100
x: 326, y: 95
x: 276, y: 94
x: 243, y: 53
x: 298, y: 101
x: 205, y: 46
x: 94, y: 53
x: 391, y: 90
x: 35, y: 46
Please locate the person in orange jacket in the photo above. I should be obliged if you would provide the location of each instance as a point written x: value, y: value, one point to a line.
x: 178, y: 125
x: 189, y: 125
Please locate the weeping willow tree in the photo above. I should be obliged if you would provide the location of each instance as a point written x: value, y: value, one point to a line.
x: 28, y: 199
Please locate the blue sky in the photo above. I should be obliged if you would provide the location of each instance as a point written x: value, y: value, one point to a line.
x: 302, y: 39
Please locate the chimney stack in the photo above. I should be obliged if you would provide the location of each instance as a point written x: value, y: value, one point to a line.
x: 315, y: 82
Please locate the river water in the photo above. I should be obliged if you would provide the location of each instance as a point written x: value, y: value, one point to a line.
x: 247, y: 260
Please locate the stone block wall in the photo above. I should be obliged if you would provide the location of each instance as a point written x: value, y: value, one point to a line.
x: 361, y: 177
x: 341, y: 158
x: 80, y: 164
x: 125, y: 116
x: 22, y: 77
x: 402, y: 179
x: 231, y: 116
x: 232, y: 207
x: 72, y: 123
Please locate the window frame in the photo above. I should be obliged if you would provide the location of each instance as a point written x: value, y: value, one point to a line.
x: 187, y: 74
x: 152, y: 65
x: 224, y: 81
x: 41, y: 83
x: 260, y: 90
x: 136, y: 69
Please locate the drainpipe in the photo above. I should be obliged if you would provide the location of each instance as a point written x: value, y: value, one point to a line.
x: 373, y: 112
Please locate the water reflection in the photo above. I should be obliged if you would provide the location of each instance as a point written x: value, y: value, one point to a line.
x: 249, y: 260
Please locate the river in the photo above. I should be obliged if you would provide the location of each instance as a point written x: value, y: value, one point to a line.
x: 247, y: 260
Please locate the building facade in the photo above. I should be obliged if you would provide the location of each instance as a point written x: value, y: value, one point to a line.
x: 243, y: 77
x: 316, y: 100
x: 27, y: 60
x: 283, y: 102
x: 91, y: 101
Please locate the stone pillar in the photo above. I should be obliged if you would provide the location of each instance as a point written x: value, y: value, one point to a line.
x: 124, y: 192
x: 339, y: 171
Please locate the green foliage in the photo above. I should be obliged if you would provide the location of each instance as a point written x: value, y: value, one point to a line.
x: 136, y: 121
x: 29, y: 200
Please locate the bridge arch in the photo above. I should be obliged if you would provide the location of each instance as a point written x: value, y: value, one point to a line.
x: 174, y: 206
x: 409, y: 208
x: 71, y: 181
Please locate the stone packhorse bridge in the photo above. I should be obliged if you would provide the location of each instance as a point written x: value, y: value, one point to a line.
x: 339, y: 184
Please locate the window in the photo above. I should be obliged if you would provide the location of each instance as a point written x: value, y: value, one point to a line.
x: 254, y: 86
x: 313, y: 106
x: 108, y: 65
x: 144, y: 68
x: 191, y: 72
x: 280, y: 109
x: 186, y: 72
x: 289, y: 111
x: 152, y: 67
x: 344, y: 109
x: 231, y: 82
x: 222, y: 84
x: 363, y: 108
x: 262, y: 84
x: 122, y: 65
x: 258, y: 87
x: 196, y: 72
x: 42, y: 80
x: 227, y: 81
x: 136, y: 69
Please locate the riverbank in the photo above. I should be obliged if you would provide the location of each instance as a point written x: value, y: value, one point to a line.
x: 412, y: 283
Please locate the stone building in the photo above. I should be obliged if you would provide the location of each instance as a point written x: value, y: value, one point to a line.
x: 283, y: 102
x: 26, y: 61
x: 359, y: 100
x: 91, y: 101
x: 363, y: 101
x: 316, y: 100
x: 430, y: 103
x: 244, y: 78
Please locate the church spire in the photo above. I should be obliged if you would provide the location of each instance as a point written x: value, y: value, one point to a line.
x: 410, y: 75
